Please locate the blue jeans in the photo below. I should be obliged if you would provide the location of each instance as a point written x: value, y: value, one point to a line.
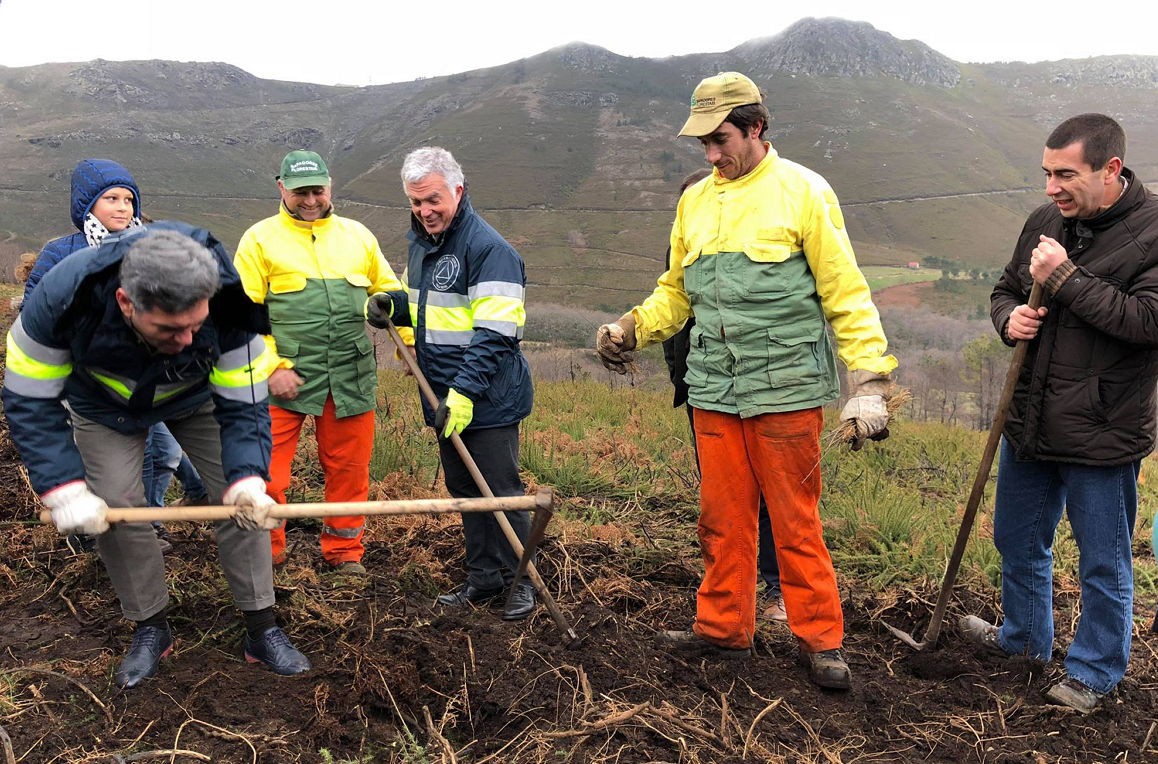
x: 163, y: 459
x: 1101, y: 503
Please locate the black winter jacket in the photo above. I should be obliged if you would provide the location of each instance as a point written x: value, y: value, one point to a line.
x: 1086, y: 393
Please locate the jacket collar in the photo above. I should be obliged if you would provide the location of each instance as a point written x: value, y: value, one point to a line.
x: 758, y: 171
x: 307, y: 225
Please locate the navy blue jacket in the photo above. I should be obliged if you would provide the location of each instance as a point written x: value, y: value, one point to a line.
x: 484, y: 362
x: 73, y: 322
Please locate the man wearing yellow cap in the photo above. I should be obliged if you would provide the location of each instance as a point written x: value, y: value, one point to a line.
x: 761, y: 258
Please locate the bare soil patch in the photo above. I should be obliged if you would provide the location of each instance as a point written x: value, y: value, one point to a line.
x: 398, y: 680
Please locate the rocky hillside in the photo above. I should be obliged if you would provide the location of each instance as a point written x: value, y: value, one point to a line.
x: 573, y: 153
x: 837, y: 48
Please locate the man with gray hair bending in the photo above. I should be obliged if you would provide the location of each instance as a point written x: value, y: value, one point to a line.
x: 150, y: 326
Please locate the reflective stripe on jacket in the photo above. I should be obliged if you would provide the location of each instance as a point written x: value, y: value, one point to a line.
x: 71, y: 342
x: 465, y: 300
x: 762, y: 262
x: 315, y: 278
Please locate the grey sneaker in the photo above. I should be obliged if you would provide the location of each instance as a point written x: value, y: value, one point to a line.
x: 1073, y: 694
x: 983, y: 634
x: 827, y: 668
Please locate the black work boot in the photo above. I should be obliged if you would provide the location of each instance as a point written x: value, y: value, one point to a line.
x: 150, y: 645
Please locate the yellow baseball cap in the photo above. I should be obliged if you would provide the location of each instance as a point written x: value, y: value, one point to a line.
x: 714, y: 98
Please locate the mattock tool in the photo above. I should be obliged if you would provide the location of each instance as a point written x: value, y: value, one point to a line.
x: 538, y: 527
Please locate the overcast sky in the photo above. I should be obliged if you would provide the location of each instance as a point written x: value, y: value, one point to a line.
x: 372, y: 42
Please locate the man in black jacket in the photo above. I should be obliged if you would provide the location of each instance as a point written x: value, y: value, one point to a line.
x: 1083, y: 412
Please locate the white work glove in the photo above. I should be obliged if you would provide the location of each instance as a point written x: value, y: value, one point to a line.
x: 253, y: 504
x: 76, y: 509
x: 613, y: 343
x: 869, y: 412
x: 866, y: 408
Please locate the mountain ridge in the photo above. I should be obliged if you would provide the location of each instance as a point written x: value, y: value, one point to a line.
x: 573, y: 152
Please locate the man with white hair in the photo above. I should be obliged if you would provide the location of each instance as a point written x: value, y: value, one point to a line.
x: 465, y: 301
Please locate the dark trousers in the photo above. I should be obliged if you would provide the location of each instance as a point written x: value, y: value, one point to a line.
x: 766, y: 557
x: 490, y: 561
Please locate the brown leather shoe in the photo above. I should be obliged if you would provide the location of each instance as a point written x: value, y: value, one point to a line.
x: 774, y: 610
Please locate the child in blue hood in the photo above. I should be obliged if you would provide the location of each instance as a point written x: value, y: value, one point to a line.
x: 105, y: 200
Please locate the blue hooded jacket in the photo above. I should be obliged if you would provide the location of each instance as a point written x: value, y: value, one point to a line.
x: 90, y: 179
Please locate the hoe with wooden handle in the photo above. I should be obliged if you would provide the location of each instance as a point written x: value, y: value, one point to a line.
x: 538, y: 528
x: 207, y: 513
x: 975, y: 495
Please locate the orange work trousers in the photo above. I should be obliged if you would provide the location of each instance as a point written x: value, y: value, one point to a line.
x: 779, y: 455
x: 344, y: 448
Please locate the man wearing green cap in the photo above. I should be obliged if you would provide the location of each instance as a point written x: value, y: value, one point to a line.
x: 315, y: 270
x: 761, y: 258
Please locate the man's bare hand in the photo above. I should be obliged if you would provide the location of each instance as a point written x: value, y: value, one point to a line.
x: 1047, y: 256
x: 284, y: 384
x: 1024, y: 322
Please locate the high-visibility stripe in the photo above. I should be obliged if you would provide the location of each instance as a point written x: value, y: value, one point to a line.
x: 505, y: 315
x: 447, y: 300
x: 344, y: 533
x: 30, y: 376
x: 247, y: 380
x: 461, y: 339
x: 505, y: 328
x: 38, y: 352
x: 114, y: 385
x: 448, y: 319
x: 255, y: 354
x: 497, y: 289
x: 123, y: 387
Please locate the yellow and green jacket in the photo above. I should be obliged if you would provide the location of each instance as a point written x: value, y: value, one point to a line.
x: 71, y: 343
x: 315, y: 278
x: 763, y: 262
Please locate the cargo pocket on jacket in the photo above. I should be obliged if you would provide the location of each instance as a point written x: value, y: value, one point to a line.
x: 365, y: 364
x: 359, y: 291
x: 792, y: 358
x: 285, y: 310
x: 767, y: 254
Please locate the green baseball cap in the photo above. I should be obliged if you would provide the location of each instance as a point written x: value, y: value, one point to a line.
x: 303, y: 168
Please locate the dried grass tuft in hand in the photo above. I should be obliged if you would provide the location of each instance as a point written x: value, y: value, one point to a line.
x: 896, y: 397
